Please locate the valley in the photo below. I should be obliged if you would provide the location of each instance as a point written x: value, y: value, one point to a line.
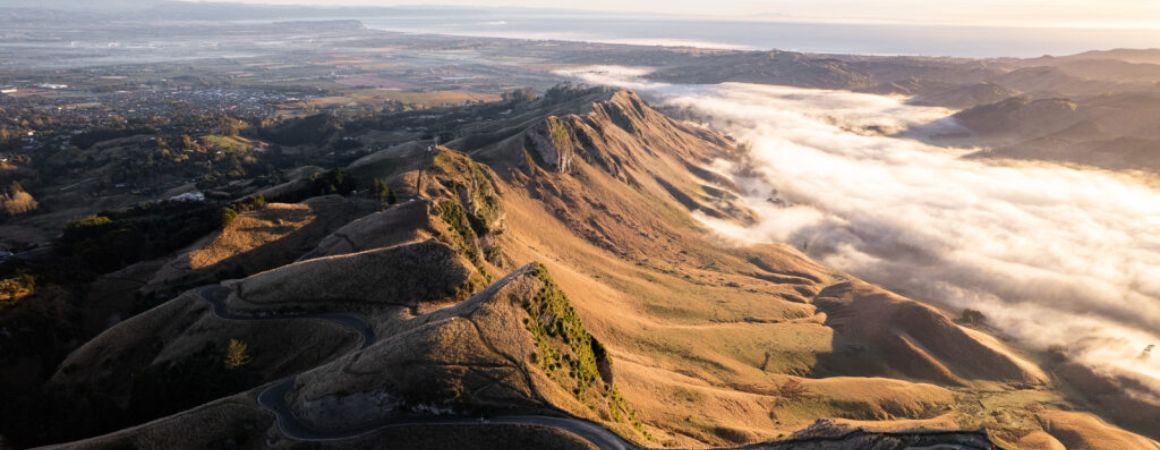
x: 319, y: 235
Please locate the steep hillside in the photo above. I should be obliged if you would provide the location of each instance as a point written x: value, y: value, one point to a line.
x: 259, y: 240
x: 964, y: 97
x: 1115, y: 132
x: 1135, y: 56
x: 1021, y: 117
x: 544, y: 272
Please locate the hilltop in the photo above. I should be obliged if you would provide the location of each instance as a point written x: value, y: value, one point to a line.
x: 542, y: 269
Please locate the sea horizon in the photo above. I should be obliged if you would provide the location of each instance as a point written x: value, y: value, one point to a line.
x: 871, y: 39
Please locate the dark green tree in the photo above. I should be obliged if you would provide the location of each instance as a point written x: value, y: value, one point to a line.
x: 382, y: 192
x: 334, y: 182
x: 227, y: 216
x: 379, y: 190
x: 235, y: 167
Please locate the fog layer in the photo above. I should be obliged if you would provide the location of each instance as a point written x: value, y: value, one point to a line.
x: 1054, y: 256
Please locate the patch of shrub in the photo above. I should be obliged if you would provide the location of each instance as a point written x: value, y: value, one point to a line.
x: 229, y: 214
x: 382, y: 192
x: 466, y: 240
x: 176, y: 386
x: 791, y: 391
x: 972, y: 318
x: 570, y: 355
x: 114, y: 239
x: 311, y: 130
x: 336, y: 181
x: 16, y: 288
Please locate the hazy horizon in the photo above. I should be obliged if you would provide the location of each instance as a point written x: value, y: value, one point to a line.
x: 1114, y: 14
x: 799, y: 36
x: 579, y: 224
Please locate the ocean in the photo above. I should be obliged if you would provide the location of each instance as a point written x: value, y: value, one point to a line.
x: 961, y: 41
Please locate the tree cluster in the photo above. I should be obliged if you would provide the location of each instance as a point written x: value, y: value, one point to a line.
x: 114, y: 239
x: 382, y: 192
x: 336, y: 181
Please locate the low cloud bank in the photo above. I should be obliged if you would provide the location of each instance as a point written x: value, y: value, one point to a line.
x: 1054, y: 256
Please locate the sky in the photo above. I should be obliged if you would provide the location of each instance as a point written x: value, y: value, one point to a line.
x: 1045, y: 13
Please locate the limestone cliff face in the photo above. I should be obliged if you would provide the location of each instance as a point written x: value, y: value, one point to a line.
x: 552, y: 141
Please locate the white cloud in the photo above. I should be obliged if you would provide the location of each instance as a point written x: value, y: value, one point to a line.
x: 1054, y: 255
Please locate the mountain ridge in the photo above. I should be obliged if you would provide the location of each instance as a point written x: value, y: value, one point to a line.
x: 550, y: 264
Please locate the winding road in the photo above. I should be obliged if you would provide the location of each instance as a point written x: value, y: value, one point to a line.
x: 273, y: 398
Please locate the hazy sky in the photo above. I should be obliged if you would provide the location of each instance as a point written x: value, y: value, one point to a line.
x: 1084, y: 13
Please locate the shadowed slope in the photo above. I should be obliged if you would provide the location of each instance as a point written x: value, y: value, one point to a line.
x: 648, y: 324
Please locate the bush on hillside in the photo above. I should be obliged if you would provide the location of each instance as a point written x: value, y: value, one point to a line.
x: 114, y: 239
x: 312, y: 130
x: 176, y: 386
x: 336, y: 181
x: 972, y: 317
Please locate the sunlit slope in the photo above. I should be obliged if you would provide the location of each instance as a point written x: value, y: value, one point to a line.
x: 550, y: 265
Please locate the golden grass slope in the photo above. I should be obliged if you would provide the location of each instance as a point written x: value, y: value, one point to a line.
x: 103, y: 371
x: 1083, y: 431
x: 483, y: 354
x: 646, y: 324
x: 259, y: 240
x: 920, y: 342
x: 706, y: 335
x: 411, y: 221
x: 402, y: 276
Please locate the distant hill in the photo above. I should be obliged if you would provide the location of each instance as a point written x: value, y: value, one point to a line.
x: 1137, y: 56
x: 1110, y: 131
x: 1021, y: 117
x: 88, y: 5
x: 775, y: 67
x: 222, y: 11
x: 188, y: 10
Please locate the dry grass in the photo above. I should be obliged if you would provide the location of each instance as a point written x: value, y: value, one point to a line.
x: 228, y: 423
x: 259, y: 240
x: 14, y: 205
x: 402, y: 276
x: 1081, y: 431
x: 1040, y: 440
x: 703, y: 333
x: 494, y: 437
x: 252, y: 230
x: 710, y: 344
x: 180, y: 328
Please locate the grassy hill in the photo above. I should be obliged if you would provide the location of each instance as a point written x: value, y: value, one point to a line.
x: 546, y: 263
